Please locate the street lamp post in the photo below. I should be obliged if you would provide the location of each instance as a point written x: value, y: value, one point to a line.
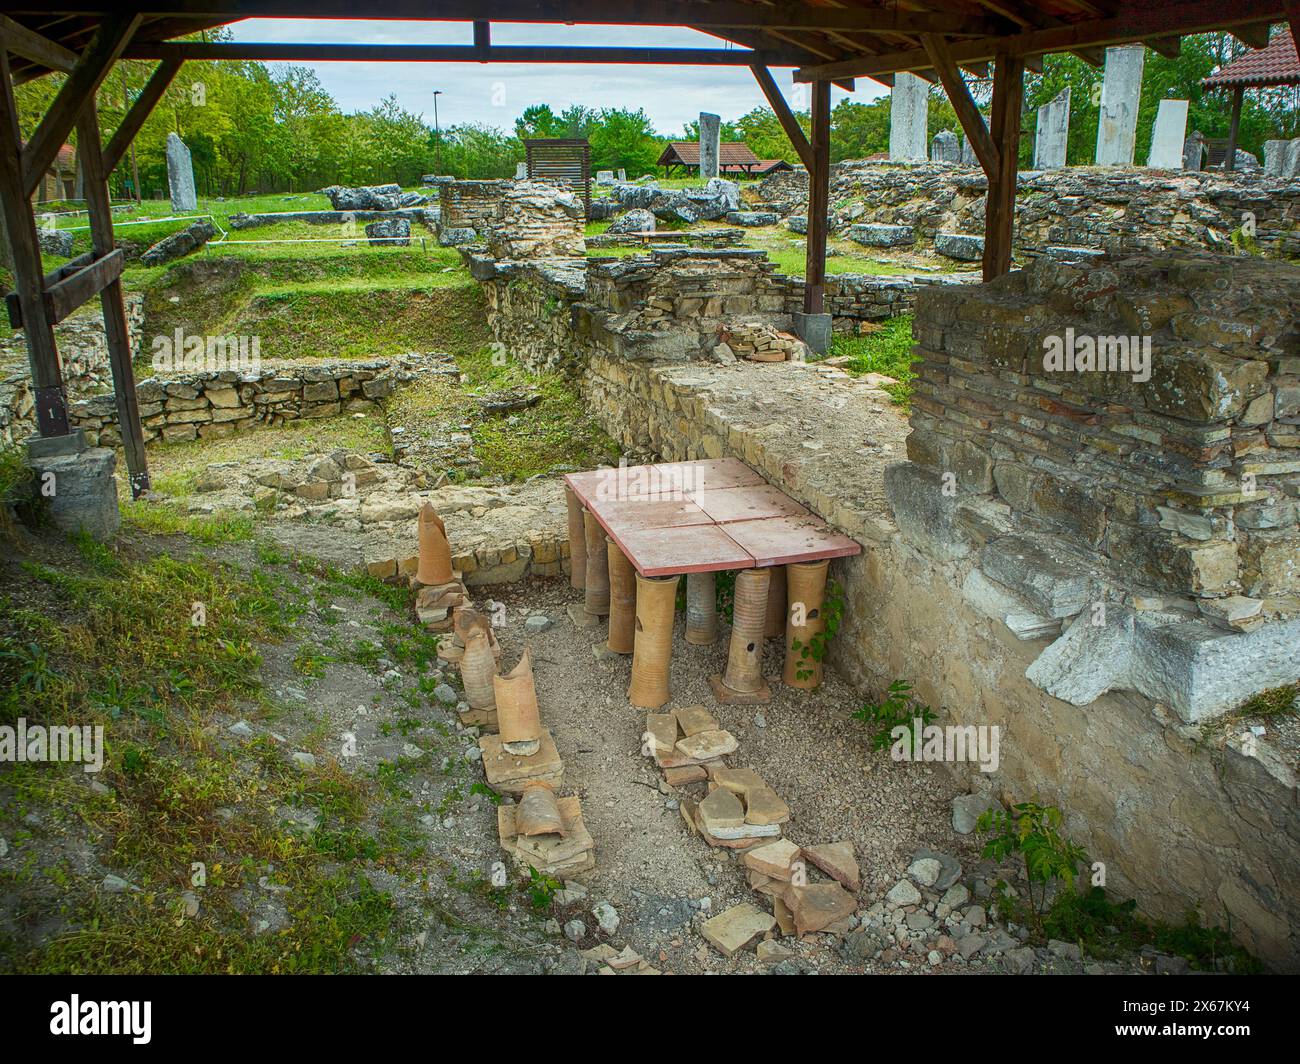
x: 437, y: 134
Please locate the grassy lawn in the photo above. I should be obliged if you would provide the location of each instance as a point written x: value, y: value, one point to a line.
x: 886, y: 349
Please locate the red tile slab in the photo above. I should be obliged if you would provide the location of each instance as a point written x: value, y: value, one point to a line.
x: 624, y: 483
x: 710, y: 473
x: 747, y: 503
x: 630, y: 515
x: 691, y: 549
x: 781, y: 540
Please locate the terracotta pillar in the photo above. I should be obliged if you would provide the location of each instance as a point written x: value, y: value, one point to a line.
x: 743, y: 681
x: 701, y: 609
x: 622, y: 600
x: 775, y: 623
x: 577, y: 540
x: 805, y: 590
x: 597, y: 568
x: 478, y: 665
x: 656, y: 604
x: 435, y: 552
x: 518, y: 721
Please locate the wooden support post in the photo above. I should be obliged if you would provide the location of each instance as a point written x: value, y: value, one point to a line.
x: 977, y: 132
x: 116, y: 334
x: 819, y: 194
x: 1230, y: 156
x: 1000, y: 205
x: 789, y: 124
x: 29, y: 282
x: 135, y: 118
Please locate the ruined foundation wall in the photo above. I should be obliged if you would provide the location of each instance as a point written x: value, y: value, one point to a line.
x: 1181, y: 822
x: 1115, y: 209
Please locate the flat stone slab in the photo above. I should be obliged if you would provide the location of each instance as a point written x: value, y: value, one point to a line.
x: 661, y: 731
x: 720, y: 810
x: 732, y: 930
x: 507, y: 772
x: 693, y: 549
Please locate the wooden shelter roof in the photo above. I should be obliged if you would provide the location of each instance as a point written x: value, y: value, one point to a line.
x: 687, y: 153
x: 826, y: 39
x: 1260, y: 68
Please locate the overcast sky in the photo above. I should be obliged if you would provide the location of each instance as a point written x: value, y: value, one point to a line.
x: 495, y: 93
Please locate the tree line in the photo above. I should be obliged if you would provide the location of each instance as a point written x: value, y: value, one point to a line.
x: 254, y: 127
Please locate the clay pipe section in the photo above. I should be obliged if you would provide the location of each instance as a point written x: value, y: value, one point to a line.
x: 435, y: 552
x: 775, y: 624
x: 518, y: 721
x: 596, y: 601
x: 622, y: 600
x: 656, y: 603
x: 701, y: 609
x: 806, y: 592
x: 744, y: 673
x: 577, y: 540
x: 478, y: 667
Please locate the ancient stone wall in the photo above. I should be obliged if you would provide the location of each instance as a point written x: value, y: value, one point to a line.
x: 83, y: 351
x: 222, y: 403
x: 468, y: 204
x: 1183, y: 820
x: 1115, y: 209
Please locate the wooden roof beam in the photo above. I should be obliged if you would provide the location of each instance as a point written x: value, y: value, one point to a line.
x: 29, y: 44
x: 1169, y: 47
x: 1133, y: 24
x: 780, y: 14
x: 1255, y: 36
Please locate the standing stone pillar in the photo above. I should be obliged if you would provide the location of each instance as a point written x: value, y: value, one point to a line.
x: 1052, y: 135
x: 743, y: 681
x: 1168, y: 135
x: 1121, y: 88
x: 180, y: 175
x: 909, y: 118
x: 710, y: 144
x: 1194, y: 151
x: 945, y: 148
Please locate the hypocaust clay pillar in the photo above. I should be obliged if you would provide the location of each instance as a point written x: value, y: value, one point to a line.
x: 701, y: 609
x: 656, y: 603
x: 775, y: 623
x: 518, y: 721
x: 597, y: 575
x: 622, y: 600
x: 577, y: 540
x: 744, y: 673
x: 805, y: 592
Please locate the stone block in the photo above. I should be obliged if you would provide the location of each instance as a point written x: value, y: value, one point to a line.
x: 81, y: 490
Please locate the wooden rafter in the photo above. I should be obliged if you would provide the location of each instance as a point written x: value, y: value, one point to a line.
x: 793, y: 131
x: 85, y: 78
x: 977, y: 132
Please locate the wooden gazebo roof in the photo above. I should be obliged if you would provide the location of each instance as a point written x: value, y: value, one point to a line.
x: 852, y: 38
x: 1261, y: 68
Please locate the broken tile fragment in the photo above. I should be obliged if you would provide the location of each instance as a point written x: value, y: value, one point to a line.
x: 772, y: 952
x: 818, y: 905
x: 720, y: 810
x: 784, y: 918
x: 733, y: 930
x: 706, y: 745
x: 763, y: 806
x: 680, y: 777
x: 776, y: 860
x: 837, y: 860
x: 695, y: 719
x: 507, y: 773
x: 552, y: 855
x: 661, y: 732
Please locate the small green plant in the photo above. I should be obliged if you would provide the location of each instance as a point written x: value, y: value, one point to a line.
x: 815, y: 649
x: 486, y: 791
x: 898, y: 709
x: 541, y: 889
x: 1032, y: 831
